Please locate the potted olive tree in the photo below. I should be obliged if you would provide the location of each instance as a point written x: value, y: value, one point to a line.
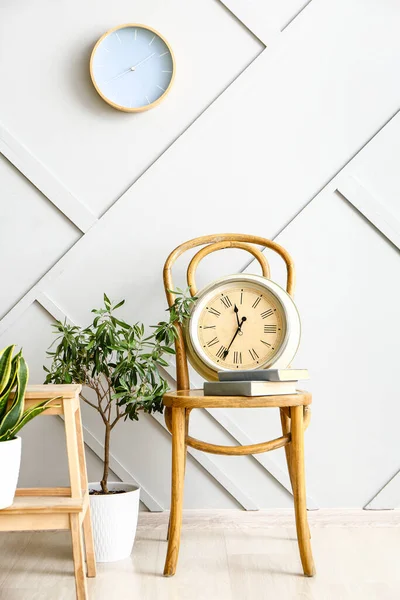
x: 14, y: 375
x: 117, y: 363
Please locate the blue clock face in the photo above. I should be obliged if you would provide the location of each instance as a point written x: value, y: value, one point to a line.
x: 132, y: 67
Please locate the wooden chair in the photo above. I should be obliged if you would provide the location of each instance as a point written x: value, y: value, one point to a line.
x: 294, y: 409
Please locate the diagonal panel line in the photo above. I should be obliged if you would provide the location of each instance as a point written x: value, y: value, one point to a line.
x: 344, y: 165
x: 264, y: 459
x: 210, y: 465
x: 354, y: 192
x: 296, y: 15
x: 388, y: 225
x: 388, y: 498
x: 126, y: 476
x: 40, y: 176
x: 250, y: 15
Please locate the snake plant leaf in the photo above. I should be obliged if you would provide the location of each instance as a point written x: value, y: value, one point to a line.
x: 11, y: 382
x: 27, y: 416
x: 5, y: 366
x: 12, y: 417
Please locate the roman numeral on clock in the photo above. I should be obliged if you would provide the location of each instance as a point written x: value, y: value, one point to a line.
x: 214, y: 311
x: 221, y: 353
x: 265, y: 343
x: 269, y: 328
x: 212, y: 342
x: 209, y: 327
x: 253, y: 354
x: 267, y: 313
x: 237, y: 358
x: 226, y: 301
x: 256, y: 302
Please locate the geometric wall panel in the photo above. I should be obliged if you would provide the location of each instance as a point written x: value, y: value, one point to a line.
x: 346, y: 295
x: 251, y: 139
x: 96, y: 151
x: 29, y: 221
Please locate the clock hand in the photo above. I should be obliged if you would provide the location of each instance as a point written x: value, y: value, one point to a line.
x: 235, y: 308
x: 142, y: 61
x: 131, y: 68
x: 226, y: 352
x: 121, y: 74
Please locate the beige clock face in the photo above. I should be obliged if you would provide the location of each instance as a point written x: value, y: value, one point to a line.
x: 241, y: 327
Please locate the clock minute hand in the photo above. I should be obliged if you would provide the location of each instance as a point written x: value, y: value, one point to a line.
x: 131, y: 68
x: 226, y: 352
x: 142, y: 61
x: 235, y: 308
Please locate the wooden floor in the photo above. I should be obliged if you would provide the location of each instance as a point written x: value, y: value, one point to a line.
x: 224, y: 556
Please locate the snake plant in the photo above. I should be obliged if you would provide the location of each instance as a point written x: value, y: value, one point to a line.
x: 14, y: 375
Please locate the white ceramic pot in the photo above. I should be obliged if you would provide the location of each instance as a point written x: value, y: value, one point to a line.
x: 114, y: 520
x: 10, y: 461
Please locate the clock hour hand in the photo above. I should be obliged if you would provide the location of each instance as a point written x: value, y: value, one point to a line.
x: 131, y: 68
x: 121, y: 74
x: 226, y: 352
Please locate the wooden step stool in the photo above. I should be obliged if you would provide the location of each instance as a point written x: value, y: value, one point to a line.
x: 59, y: 508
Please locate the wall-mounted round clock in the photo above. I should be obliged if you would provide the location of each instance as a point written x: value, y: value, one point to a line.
x: 132, y: 67
x: 242, y: 322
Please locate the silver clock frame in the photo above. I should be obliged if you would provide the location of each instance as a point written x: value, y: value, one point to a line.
x: 289, y: 346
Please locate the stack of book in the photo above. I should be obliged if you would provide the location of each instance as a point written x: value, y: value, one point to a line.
x: 263, y: 382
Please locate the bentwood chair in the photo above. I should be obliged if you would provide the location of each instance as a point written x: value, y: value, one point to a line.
x: 294, y: 408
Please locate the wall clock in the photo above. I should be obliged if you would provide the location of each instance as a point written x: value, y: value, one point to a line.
x: 242, y: 322
x: 132, y: 67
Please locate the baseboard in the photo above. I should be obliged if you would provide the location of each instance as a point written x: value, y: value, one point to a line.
x: 233, y: 519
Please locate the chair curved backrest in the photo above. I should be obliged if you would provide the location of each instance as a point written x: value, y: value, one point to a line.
x: 213, y: 243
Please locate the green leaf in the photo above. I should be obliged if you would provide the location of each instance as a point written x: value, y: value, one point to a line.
x: 12, y: 417
x: 107, y: 301
x: 11, y: 382
x: 167, y: 350
x: 162, y: 362
x: 119, y: 304
x: 27, y: 416
x: 5, y: 366
x: 121, y: 323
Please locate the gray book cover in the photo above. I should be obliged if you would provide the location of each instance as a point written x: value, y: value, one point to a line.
x: 249, y: 388
x: 264, y: 375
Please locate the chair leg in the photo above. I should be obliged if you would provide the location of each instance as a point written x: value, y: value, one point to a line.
x: 77, y: 551
x: 286, y: 426
x: 299, y: 490
x: 285, y: 421
x: 187, y: 415
x: 178, y: 475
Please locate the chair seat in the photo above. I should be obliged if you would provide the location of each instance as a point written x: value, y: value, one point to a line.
x: 197, y: 399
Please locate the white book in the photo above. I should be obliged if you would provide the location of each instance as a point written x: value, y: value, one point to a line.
x: 249, y: 388
x: 264, y: 375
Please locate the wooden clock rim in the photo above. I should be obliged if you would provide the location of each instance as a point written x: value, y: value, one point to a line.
x: 110, y: 102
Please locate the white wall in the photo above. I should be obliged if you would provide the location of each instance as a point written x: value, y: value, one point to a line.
x: 294, y: 141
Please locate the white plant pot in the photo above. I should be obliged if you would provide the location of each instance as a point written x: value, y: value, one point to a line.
x: 10, y: 461
x: 114, y: 521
